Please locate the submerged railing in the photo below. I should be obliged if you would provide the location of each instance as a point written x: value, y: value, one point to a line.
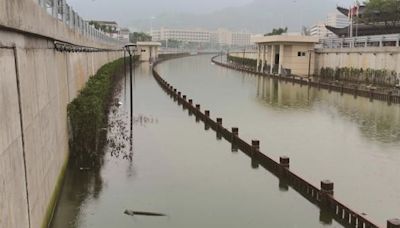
x: 322, y: 197
x: 390, y: 97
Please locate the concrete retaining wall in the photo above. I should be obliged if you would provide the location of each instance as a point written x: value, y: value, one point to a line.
x: 376, y: 58
x: 27, y: 16
x: 36, y: 84
x: 248, y: 55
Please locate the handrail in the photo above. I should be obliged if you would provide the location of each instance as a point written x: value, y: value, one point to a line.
x: 61, y: 11
x: 361, y: 41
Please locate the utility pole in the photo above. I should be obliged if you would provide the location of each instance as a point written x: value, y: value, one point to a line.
x: 244, y: 55
x: 125, y: 76
x: 309, y: 63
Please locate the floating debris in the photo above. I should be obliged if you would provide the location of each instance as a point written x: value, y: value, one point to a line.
x: 132, y: 213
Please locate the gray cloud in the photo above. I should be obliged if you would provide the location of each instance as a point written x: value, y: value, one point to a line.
x: 251, y: 15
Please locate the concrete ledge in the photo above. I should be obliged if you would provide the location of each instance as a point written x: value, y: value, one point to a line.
x: 27, y: 16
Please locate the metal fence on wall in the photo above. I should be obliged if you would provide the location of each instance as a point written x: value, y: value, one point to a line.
x: 389, y: 40
x: 63, y: 12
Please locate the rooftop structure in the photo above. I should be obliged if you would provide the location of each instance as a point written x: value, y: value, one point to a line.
x: 285, y: 54
x: 361, y: 29
x: 334, y: 19
x: 148, y: 51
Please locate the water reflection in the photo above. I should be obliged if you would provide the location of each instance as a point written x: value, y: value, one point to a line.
x: 80, y: 186
x: 282, y: 95
x: 376, y: 120
x: 327, y: 134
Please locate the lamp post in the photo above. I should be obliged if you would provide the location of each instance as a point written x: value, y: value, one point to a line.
x: 131, y: 49
x: 309, y: 62
x: 125, y: 75
x: 244, y: 56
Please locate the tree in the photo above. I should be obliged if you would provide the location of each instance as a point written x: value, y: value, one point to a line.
x: 305, y: 31
x: 277, y: 31
x: 385, y: 11
x: 139, y: 36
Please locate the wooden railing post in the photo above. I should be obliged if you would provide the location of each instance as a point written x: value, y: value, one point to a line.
x: 393, y: 223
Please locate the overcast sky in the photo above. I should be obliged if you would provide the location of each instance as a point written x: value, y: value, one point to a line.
x: 126, y: 12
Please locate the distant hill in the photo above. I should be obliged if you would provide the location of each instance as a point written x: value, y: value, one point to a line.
x: 259, y: 16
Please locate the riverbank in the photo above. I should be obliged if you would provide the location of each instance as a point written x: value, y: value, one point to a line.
x: 389, y: 95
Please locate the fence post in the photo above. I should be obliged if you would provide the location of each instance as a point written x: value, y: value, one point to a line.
x: 64, y: 11
x: 54, y: 9
x: 235, y: 134
x: 219, y: 122
x: 219, y: 128
x: 72, y: 18
x: 390, y: 93
x: 206, y: 120
x: 327, y: 189
x: 42, y: 3
x: 255, y: 147
x: 393, y: 223
x: 284, y: 161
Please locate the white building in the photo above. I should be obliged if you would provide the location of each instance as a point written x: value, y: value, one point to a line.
x: 337, y: 19
x: 334, y: 19
x: 319, y: 30
x: 124, y: 35
x: 148, y: 51
x: 196, y: 36
x: 220, y: 36
x: 241, y: 39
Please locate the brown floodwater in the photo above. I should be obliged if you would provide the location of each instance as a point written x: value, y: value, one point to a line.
x: 353, y: 142
x: 183, y: 171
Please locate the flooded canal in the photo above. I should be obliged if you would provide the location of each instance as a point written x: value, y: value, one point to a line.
x: 181, y: 170
x: 353, y: 142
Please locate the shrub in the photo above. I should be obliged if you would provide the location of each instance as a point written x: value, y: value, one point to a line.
x: 368, y: 76
x: 243, y: 61
x: 88, y: 112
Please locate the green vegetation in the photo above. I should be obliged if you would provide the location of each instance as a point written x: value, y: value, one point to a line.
x: 88, y: 115
x: 139, y: 36
x: 277, y: 31
x: 368, y: 76
x: 243, y: 61
x: 386, y: 11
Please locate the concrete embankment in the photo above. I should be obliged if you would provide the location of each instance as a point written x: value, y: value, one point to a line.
x: 36, y: 84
